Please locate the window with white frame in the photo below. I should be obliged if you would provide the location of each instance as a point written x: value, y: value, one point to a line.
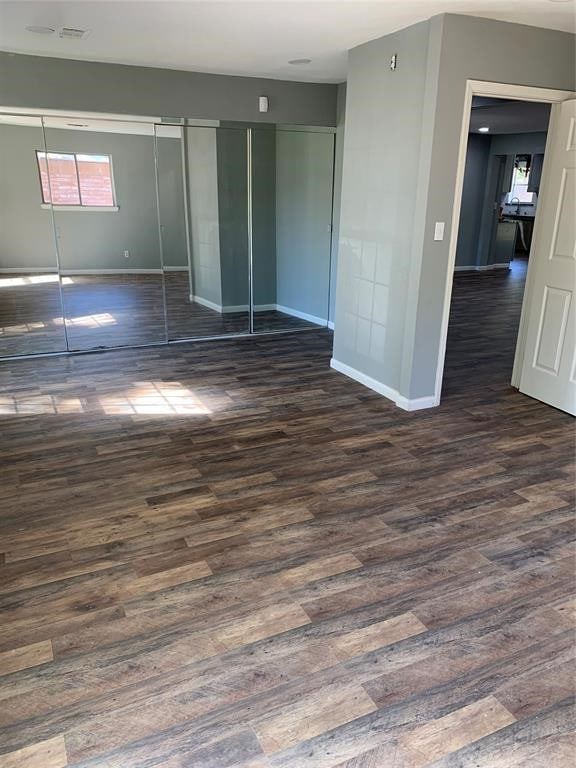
x: 76, y: 180
x: 520, y: 181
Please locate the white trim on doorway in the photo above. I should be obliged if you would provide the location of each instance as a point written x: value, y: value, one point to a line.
x: 503, y: 91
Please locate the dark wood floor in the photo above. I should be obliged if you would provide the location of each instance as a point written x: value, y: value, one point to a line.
x: 227, y: 555
x: 113, y: 311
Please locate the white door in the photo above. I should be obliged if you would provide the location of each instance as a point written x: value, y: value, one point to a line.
x: 549, y: 367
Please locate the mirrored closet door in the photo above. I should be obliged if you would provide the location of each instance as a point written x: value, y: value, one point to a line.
x: 100, y: 177
x: 292, y: 181
x: 128, y: 232
x: 203, y: 210
x: 31, y: 320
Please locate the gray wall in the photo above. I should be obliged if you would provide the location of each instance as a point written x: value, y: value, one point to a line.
x: 304, y: 174
x: 48, y: 83
x: 400, y: 159
x: 171, y: 201
x: 26, y: 231
x: 264, y: 215
x: 477, y: 157
x: 202, y: 172
x: 479, y: 49
x: 518, y: 143
x: 338, y: 164
x: 381, y: 169
x: 231, y: 149
x: 87, y: 240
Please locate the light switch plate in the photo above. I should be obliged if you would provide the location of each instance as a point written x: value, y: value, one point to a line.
x: 439, y: 231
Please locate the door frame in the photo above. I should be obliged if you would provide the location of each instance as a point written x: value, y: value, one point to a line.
x: 502, y: 91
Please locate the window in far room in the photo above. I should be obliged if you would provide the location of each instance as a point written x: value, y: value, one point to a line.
x: 521, y: 180
x: 76, y: 181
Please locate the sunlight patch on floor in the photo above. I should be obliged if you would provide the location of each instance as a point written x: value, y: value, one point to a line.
x: 12, y: 282
x: 26, y: 405
x: 89, y: 321
x: 154, y: 398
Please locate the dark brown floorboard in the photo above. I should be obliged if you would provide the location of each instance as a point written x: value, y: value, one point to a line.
x: 226, y: 555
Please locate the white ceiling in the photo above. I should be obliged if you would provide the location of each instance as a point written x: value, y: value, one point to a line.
x: 242, y: 37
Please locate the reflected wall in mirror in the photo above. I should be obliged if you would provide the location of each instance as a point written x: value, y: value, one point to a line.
x: 292, y: 179
x: 212, y: 298
x: 102, y: 181
x: 173, y: 218
x: 30, y: 301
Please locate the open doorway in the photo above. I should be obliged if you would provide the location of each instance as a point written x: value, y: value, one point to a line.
x: 504, y: 160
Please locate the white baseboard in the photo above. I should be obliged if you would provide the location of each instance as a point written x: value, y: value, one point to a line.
x: 258, y: 308
x: 246, y: 307
x: 302, y: 315
x: 482, y: 267
x: 383, y: 389
x: 110, y: 271
x: 229, y: 308
x: 331, y: 324
x: 206, y: 303
x: 416, y: 403
x: 38, y: 270
x: 28, y: 270
x: 487, y: 267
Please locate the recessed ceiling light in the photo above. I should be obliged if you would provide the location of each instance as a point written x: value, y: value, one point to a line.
x: 37, y: 30
x: 300, y: 61
x: 484, y: 129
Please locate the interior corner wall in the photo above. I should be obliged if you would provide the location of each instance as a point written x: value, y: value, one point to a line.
x: 232, y: 185
x: 477, y: 159
x: 337, y: 195
x: 202, y: 172
x: 264, y: 216
x: 41, y: 82
x: 172, y: 202
x: 476, y: 49
x: 385, y: 117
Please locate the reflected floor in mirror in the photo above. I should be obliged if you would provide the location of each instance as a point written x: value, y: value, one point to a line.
x: 113, y: 310
x: 189, y: 320
x: 30, y: 314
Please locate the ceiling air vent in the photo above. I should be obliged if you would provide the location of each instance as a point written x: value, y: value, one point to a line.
x: 76, y: 34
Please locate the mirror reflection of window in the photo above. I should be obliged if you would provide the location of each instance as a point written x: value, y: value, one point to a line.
x: 72, y: 179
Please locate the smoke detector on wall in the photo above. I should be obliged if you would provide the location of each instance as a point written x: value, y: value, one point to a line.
x: 74, y: 34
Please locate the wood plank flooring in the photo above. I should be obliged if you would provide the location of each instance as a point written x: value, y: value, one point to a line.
x: 227, y: 555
